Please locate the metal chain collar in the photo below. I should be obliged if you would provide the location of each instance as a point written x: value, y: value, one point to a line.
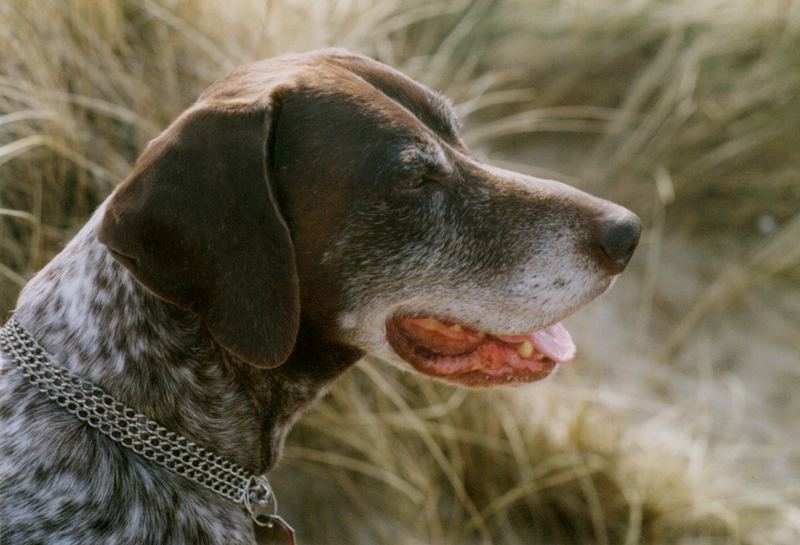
x: 135, y: 431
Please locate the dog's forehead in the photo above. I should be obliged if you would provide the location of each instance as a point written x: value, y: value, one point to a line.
x: 432, y: 108
x: 378, y: 88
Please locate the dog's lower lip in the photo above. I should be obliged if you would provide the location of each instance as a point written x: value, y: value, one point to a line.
x: 450, y: 351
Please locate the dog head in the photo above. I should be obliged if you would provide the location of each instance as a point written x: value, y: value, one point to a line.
x: 332, y: 188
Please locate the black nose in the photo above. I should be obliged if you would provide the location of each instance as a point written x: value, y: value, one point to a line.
x: 616, y: 238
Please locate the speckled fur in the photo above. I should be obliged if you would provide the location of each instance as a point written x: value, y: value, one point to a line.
x: 62, y: 482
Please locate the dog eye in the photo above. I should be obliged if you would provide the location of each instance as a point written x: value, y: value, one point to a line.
x: 416, y: 183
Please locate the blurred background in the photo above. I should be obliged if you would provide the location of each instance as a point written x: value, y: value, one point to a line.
x: 677, y: 424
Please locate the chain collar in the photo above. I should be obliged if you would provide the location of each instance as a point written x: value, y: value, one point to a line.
x: 138, y: 433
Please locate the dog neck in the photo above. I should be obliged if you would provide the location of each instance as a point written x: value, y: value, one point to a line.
x: 95, y: 319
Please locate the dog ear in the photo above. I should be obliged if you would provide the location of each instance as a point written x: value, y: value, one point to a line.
x: 197, y: 223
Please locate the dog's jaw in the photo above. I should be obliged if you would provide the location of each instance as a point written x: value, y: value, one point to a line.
x: 527, y: 304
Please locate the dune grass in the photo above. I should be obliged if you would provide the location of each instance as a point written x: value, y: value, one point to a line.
x: 676, y: 425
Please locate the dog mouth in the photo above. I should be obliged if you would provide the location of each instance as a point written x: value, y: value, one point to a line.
x: 453, y: 352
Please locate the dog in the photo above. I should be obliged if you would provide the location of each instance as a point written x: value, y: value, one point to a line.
x: 305, y: 211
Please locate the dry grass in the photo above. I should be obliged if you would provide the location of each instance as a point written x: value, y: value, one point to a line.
x: 676, y: 425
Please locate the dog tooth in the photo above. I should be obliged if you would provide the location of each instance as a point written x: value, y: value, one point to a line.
x: 525, y: 349
x: 456, y: 327
x: 430, y: 324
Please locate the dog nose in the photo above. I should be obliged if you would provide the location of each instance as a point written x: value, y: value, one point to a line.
x: 616, y: 238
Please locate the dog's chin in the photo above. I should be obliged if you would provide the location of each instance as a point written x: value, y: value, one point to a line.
x: 447, y: 350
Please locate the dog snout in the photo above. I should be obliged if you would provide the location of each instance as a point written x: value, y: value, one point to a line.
x: 615, y: 238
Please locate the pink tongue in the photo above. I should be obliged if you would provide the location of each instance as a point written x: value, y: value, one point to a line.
x: 555, y: 343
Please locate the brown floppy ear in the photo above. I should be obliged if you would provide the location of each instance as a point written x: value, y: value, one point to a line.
x: 197, y: 224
